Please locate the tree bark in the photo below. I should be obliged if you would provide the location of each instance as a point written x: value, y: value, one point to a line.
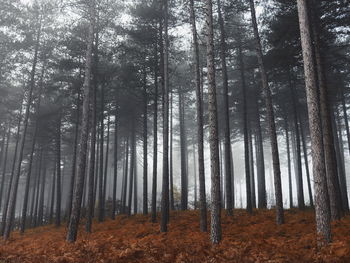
x: 74, y: 162
x: 199, y: 109
x: 132, y: 166
x: 58, y: 173
x: 14, y: 188
x: 155, y: 138
x: 290, y: 187
x: 3, y: 181
x: 145, y: 152
x: 115, y: 171
x: 165, y: 183
x: 226, y: 115
x: 215, y: 232
x: 318, y: 158
x: 270, y: 120
x: 83, y: 140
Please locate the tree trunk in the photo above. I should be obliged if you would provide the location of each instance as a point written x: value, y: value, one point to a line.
x: 308, y: 179
x: 259, y: 146
x: 145, y: 153
x: 299, y: 171
x: 327, y: 129
x: 93, y: 145
x: 270, y: 120
x: 341, y: 165
x: 183, y: 150
x: 125, y: 179
x: 58, y: 173
x: 318, y: 158
x: 42, y: 195
x: 101, y: 200
x: 290, y: 187
x: 83, y: 140
x: 155, y: 137
x: 115, y: 171
x: 215, y: 232
x: 171, y: 172
x: 245, y: 131
x: 132, y: 166
x: 52, y: 204
x: 8, y: 192
x: 165, y: 183
x: 3, y: 181
x: 74, y: 162
x: 199, y: 109
x: 251, y: 168
x: 226, y: 115
x: 14, y: 188
x: 106, y: 165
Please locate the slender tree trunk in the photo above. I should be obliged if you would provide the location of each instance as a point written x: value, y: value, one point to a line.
x: 135, y: 181
x: 199, y: 109
x: 27, y: 184
x: 37, y: 189
x: 74, y: 162
x: 42, y: 195
x: 270, y: 120
x: 345, y: 114
x: 155, y: 138
x: 83, y: 140
x: 3, y: 181
x: 226, y: 115
x: 125, y: 179
x: 101, y: 200
x: 245, y: 132
x: 215, y: 232
x: 8, y: 192
x: 299, y: 172
x: 171, y: 172
x: 262, y: 201
x: 132, y: 166
x: 58, y: 173
x: 183, y: 150
x: 341, y: 165
x: 251, y: 164
x: 318, y: 158
x: 194, y: 176
x: 115, y: 171
x: 306, y: 160
x: 290, y: 187
x: 165, y: 182
x: 106, y: 164
x: 53, y: 187
x: 145, y: 153
x: 93, y: 145
x: 14, y: 188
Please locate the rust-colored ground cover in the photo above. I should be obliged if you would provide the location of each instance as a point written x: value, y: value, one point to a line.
x: 246, y: 238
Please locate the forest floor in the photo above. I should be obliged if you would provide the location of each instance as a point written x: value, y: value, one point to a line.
x: 246, y: 238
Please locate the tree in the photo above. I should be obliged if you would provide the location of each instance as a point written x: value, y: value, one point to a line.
x: 165, y: 184
x: 321, y: 195
x: 270, y: 119
x: 199, y: 107
x: 83, y: 140
x: 215, y: 232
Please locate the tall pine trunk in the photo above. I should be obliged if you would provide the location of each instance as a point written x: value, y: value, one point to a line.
x: 226, y: 115
x: 83, y: 140
x: 270, y: 120
x: 165, y: 182
x: 318, y: 158
x: 14, y: 187
x: 215, y: 232
x: 199, y: 113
